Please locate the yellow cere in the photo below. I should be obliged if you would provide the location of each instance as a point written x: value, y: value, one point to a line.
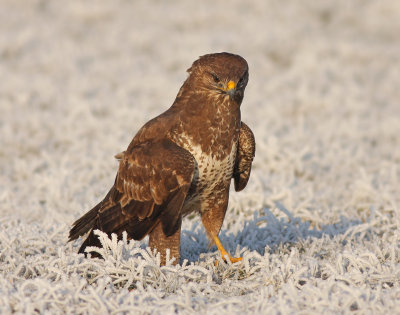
x: 231, y: 85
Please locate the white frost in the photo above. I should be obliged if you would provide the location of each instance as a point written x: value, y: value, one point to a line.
x: 318, y: 225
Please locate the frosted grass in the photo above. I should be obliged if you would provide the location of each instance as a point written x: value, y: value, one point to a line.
x: 318, y: 226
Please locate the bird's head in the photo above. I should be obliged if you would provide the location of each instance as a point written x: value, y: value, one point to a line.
x: 220, y: 74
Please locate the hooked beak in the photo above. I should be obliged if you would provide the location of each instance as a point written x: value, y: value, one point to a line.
x: 230, y: 89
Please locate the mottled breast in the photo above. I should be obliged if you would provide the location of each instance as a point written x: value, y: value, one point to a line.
x: 213, y: 174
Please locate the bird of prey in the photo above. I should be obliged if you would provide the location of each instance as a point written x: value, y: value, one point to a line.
x: 180, y: 162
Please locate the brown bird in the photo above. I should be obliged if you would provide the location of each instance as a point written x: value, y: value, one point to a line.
x: 181, y: 162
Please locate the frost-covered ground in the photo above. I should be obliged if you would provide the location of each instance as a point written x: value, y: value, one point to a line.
x: 319, y: 223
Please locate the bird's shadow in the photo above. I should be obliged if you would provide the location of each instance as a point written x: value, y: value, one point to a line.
x: 261, y: 232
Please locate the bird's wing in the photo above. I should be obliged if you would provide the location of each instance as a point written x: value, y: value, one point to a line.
x: 151, y: 185
x: 153, y: 180
x: 244, y: 157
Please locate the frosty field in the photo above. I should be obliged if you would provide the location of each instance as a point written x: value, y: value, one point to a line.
x: 318, y: 225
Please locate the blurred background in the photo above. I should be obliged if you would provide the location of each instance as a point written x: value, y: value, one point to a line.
x: 79, y: 78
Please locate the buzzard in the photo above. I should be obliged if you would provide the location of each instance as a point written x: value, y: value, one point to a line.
x: 181, y: 162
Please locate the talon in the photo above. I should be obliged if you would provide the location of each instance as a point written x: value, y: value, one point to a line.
x: 224, y: 253
x: 235, y: 259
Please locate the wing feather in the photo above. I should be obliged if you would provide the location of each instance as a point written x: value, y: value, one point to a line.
x: 244, y: 158
x: 151, y: 186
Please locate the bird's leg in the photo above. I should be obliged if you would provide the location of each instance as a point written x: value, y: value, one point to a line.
x: 159, y: 241
x: 224, y: 253
x: 213, y: 218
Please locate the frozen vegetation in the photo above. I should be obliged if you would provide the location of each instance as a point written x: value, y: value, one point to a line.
x: 319, y: 223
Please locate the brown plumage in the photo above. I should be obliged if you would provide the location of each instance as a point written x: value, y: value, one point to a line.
x: 180, y: 162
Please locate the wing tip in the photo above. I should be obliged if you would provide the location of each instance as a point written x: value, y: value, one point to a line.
x: 120, y: 156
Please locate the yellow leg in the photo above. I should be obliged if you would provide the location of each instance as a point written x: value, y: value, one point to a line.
x: 224, y: 252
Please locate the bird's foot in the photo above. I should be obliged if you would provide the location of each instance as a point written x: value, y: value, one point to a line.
x: 232, y: 259
x: 235, y: 259
x: 224, y: 253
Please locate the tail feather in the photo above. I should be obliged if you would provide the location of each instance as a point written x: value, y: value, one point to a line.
x: 91, y: 240
x: 84, y: 224
x: 110, y: 217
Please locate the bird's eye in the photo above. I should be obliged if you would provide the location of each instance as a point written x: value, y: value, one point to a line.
x: 243, y: 78
x: 215, y: 77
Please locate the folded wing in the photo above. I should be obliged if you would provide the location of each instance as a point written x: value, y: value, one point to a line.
x: 151, y: 186
x: 244, y: 158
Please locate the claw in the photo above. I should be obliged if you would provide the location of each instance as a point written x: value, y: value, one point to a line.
x: 224, y: 253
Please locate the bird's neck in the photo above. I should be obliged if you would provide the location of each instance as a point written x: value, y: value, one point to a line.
x: 209, y: 121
